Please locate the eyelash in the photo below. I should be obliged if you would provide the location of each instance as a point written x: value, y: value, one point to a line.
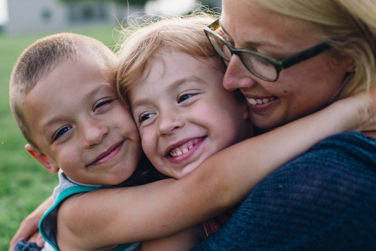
x: 144, y: 117
x: 102, y: 103
x: 60, y: 132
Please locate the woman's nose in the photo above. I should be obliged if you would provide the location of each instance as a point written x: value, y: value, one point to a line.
x: 236, y: 75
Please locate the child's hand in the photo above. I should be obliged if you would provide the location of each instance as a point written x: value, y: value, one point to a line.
x: 28, y: 231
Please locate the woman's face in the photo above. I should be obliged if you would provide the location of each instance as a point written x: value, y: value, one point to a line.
x: 300, y: 89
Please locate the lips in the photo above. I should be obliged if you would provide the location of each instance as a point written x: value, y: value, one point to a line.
x: 260, y: 101
x: 108, y: 155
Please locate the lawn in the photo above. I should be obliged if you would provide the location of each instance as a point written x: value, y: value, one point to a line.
x: 23, y: 182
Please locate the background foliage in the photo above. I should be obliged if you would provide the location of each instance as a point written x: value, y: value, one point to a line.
x: 24, y: 184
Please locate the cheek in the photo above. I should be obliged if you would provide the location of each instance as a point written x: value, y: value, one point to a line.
x: 148, y: 143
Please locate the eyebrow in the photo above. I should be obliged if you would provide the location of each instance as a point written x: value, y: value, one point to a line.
x: 247, y: 44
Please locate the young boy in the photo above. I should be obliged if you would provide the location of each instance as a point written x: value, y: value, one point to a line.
x: 73, y: 121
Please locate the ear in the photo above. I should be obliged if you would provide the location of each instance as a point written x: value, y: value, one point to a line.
x: 42, y: 158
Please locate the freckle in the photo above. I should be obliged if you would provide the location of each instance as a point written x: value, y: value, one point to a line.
x: 285, y: 92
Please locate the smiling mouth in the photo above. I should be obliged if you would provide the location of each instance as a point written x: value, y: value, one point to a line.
x: 183, y: 149
x: 260, y: 101
x: 109, y: 154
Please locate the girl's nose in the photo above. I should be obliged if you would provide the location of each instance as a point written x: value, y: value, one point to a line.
x: 169, y: 121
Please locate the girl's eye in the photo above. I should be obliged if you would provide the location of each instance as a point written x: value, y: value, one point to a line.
x: 184, y: 97
x: 60, y: 132
x: 102, y: 103
x: 145, y: 116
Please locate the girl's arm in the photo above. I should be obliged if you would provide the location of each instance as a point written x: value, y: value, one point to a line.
x: 184, y: 240
x: 151, y: 211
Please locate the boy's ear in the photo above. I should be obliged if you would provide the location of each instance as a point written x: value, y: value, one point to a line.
x: 42, y: 158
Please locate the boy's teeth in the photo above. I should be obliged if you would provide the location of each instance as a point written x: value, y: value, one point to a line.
x: 259, y: 101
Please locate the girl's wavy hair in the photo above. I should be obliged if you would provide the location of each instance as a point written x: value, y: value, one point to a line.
x: 142, y: 42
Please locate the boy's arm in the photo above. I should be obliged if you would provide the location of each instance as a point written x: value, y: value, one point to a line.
x: 29, y: 225
x: 184, y: 240
x: 162, y: 208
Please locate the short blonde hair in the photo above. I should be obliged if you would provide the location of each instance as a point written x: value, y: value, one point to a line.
x: 40, y: 58
x: 351, y: 27
x: 141, y: 43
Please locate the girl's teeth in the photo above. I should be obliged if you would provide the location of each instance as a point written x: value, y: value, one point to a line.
x: 182, y: 150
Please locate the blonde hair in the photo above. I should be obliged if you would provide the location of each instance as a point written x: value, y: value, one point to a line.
x: 351, y: 27
x: 40, y: 58
x: 141, y: 43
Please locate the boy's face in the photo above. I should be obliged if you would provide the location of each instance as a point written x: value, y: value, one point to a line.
x: 183, y: 113
x: 80, y: 125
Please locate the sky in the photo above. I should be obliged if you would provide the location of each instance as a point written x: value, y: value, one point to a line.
x: 3, y: 11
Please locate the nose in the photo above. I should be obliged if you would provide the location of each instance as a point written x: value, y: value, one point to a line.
x: 169, y: 121
x: 93, y: 132
x: 236, y: 75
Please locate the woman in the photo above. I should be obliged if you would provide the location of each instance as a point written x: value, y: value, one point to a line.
x: 325, y: 198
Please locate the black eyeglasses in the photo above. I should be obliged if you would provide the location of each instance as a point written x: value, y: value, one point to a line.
x: 262, y: 66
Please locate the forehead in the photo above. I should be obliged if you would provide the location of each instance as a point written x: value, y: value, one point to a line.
x: 173, y: 66
x: 247, y: 22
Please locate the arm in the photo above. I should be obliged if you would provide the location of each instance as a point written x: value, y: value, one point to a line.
x: 162, y: 208
x: 28, y: 229
x: 184, y: 240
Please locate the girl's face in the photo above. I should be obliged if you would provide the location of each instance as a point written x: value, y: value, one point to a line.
x: 183, y: 113
x: 300, y: 89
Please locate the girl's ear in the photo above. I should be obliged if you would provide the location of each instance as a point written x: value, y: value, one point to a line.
x: 42, y: 158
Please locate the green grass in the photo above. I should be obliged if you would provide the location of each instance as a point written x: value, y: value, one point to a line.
x: 24, y: 184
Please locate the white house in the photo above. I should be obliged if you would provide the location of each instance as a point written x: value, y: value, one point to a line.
x: 30, y: 16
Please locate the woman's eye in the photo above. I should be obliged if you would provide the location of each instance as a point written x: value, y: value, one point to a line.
x: 145, y: 116
x: 60, y: 132
x: 184, y: 97
x: 102, y: 103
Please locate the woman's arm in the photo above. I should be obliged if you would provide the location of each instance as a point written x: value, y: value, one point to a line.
x: 162, y: 208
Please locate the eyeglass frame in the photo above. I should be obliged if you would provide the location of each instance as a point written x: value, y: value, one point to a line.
x: 279, y: 65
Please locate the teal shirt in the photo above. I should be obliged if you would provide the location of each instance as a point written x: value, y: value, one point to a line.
x: 48, y: 224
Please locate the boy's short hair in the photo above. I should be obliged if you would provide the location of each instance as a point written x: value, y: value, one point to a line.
x: 42, y: 57
x: 185, y: 34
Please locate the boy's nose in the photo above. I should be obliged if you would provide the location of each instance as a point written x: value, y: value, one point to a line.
x: 93, y: 133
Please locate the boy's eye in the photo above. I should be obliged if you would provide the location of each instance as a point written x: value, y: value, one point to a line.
x: 101, y: 103
x: 184, y: 97
x: 60, y: 132
x: 145, y: 116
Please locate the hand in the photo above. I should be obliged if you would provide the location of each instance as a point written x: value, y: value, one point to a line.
x: 28, y: 229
